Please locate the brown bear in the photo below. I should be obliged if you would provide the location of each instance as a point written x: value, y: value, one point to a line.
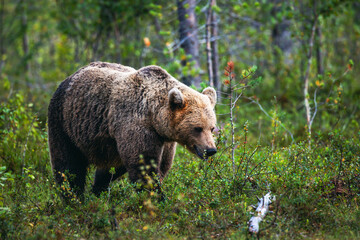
x: 111, y: 115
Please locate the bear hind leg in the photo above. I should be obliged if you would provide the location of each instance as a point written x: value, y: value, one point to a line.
x: 103, y: 177
x: 70, y: 168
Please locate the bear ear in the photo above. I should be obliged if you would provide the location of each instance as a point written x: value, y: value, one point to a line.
x: 176, y: 99
x: 211, y: 93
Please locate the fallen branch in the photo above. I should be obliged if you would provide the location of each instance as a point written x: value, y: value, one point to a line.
x: 261, y: 210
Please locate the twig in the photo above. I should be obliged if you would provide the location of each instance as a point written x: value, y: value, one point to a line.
x: 232, y: 121
x: 263, y: 110
x: 175, y: 45
x: 259, y: 164
x: 109, y: 188
x: 316, y: 108
x: 335, y: 80
x: 236, y: 99
x: 25, y: 147
x: 113, y: 220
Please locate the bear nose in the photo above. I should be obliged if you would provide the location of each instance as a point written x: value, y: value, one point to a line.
x: 210, y: 152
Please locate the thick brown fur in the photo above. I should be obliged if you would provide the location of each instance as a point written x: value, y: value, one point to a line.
x: 111, y: 115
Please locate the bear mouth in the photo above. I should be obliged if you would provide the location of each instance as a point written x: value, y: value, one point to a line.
x: 199, y: 153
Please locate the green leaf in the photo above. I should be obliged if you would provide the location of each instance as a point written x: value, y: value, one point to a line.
x: 7, y: 84
x: 165, y: 33
x: 237, y: 9
x: 216, y: 8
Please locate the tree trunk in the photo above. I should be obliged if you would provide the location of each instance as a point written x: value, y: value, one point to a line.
x: 25, y: 40
x: 355, y: 43
x: 2, y: 50
x: 188, y: 38
x: 306, y: 80
x: 281, y: 42
x: 214, y: 50
x: 281, y: 36
x: 319, y: 54
x: 208, y: 44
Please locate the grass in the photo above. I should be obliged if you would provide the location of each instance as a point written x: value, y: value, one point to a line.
x: 317, y: 189
x: 203, y: 201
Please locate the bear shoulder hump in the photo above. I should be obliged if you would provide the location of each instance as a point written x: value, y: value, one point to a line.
x: 113, y: 66
x: 153, y: 72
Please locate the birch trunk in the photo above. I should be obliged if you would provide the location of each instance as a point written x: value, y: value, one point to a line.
x: 306, y: 81
x: 214, y: 50
x: 208, y: 43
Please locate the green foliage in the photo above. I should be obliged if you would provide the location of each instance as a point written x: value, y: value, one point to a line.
x: 317, y: 188
x: 4, y: 178
x: 23, y: 143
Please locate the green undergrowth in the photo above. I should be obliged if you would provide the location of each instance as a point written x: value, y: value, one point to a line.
x: 317, y: 189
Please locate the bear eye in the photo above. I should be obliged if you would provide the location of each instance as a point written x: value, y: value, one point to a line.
x: 198, y: 129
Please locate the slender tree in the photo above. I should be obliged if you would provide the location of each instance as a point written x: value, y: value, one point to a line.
x: 214, y: 49
x: 208, y: 44
x: 309, y: 119
x: 188, y: 38
x: 282, y: 42
x: 211, y: 45
x: 319, y: 54
x: 2, y: 49
x: 25, y: 39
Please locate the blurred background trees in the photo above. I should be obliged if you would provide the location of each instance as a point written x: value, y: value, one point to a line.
x: 42, y: 42
x: 295, y: 133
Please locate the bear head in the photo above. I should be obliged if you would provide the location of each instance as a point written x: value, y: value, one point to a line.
x: 193, y: 119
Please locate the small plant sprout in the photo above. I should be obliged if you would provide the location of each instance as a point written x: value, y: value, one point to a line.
x: 260, y: 212
x: 236, y: 91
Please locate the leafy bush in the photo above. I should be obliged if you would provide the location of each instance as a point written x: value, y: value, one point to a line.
x: 317, y: 188
x: 23, y: 143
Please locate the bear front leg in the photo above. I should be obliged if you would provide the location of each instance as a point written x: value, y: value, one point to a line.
x: 146, y: 172
x: 167, y: 159
x: 140, y: 149
x: 103, y: 177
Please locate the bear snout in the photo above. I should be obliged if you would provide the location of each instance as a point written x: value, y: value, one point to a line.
x: 210, y: 152
x: 204, y: 154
